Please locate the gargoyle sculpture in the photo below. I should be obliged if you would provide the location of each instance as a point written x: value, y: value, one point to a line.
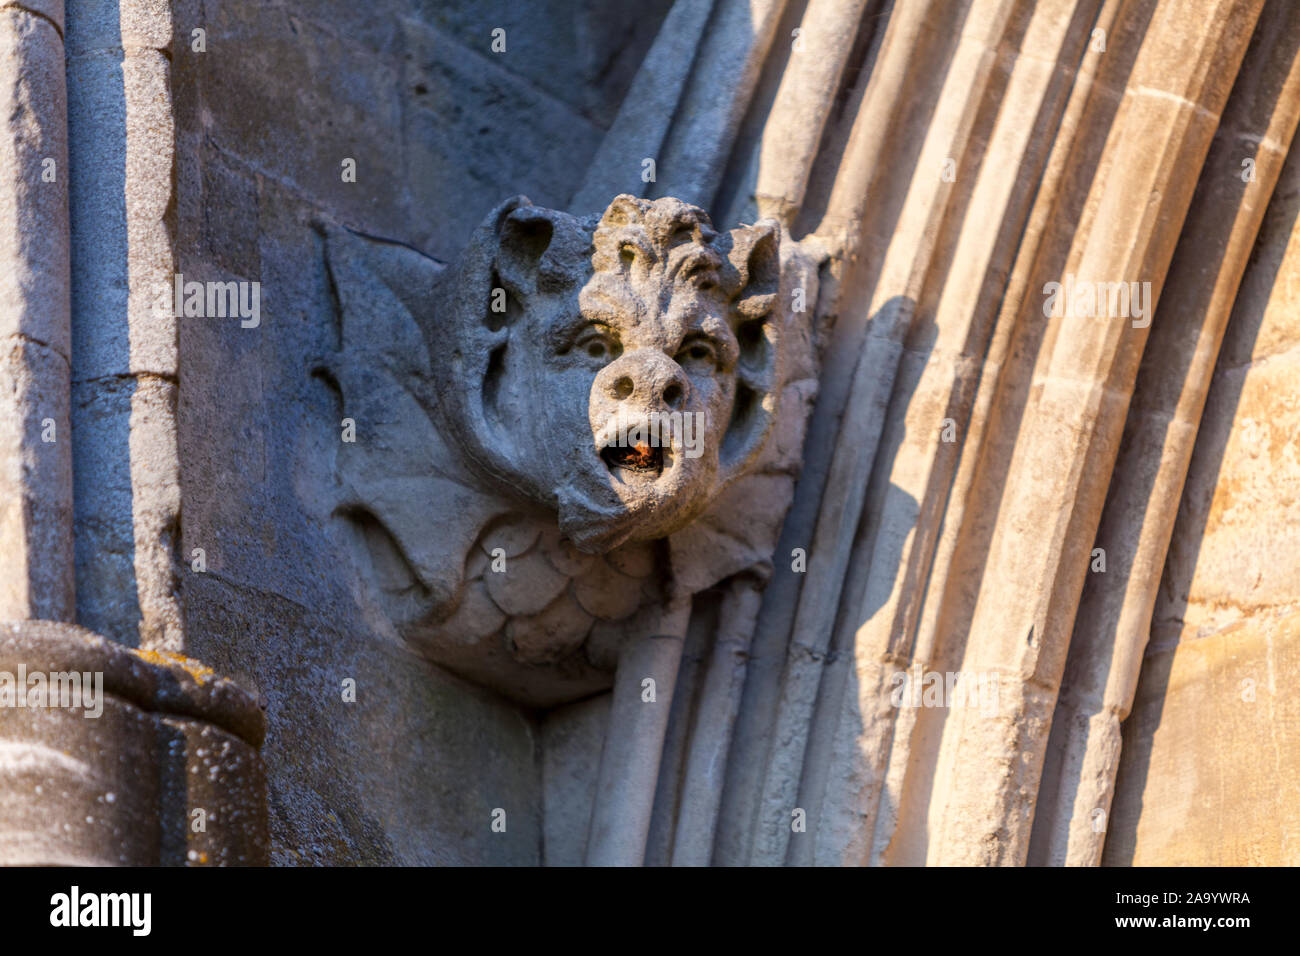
x: 584, y: 422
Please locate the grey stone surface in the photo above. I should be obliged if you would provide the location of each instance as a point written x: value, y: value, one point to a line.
x: 408, y: 774
x: 473, y: 126
x: 582, y: 53
x: 571, y: 736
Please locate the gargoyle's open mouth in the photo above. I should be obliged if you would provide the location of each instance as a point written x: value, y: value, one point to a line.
x: 641, y: 459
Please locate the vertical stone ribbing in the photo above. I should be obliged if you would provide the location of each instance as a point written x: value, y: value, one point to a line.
x: 715, y: 722
x: 875, y: 638
x: 722, y: 81
x: 1114, y: 618
x: 124, y: 356
x: 955, y: 568
x: 976, y: 565
x: 981, y: 812
x: 36, y: 573
x: 908, y: 50
x: 892, y: 303
x: 647, y: 111
x: 634, y: 741
x: 793, y: 131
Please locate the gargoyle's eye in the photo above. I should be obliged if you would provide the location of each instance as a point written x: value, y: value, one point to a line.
x: 698, y: 354
x: 598, y: 346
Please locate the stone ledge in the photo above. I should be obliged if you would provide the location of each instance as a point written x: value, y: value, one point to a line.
x: 156, y: 682
x: 159, y: 767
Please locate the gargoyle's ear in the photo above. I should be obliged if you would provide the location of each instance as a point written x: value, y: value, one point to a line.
x: 525, y: 235
x: 468, y: 289
x: 517, y: 250
x: 755, y: 255
x: 754, y: 282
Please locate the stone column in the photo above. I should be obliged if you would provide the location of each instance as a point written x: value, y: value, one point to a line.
x: 155, y: 763
x: 634, y: 740
x: 36, y: 576
x: 109, y: 755
x: 125, y: 358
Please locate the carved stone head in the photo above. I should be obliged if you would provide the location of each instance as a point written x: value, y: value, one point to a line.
x: 572, y: 429
x: 619, y: 372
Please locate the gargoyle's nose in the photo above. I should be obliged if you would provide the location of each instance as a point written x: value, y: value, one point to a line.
x: 647, y: 378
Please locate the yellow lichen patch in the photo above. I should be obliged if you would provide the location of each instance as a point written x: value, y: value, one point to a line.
x: 192, y: 667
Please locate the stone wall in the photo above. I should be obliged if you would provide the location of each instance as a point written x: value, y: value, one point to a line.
x: 1094, y: 513
x: 440, y: 129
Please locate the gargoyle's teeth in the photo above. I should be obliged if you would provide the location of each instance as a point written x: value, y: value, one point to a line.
x: 641, y: 458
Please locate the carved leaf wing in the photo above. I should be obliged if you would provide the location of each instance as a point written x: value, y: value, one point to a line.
x: 399, y: 470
